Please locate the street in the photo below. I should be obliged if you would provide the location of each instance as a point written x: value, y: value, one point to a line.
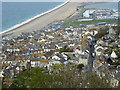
x: 91, y: 57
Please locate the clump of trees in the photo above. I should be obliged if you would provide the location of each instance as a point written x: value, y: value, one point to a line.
x: 102, y: 32
x: 68, y: 77
x: 92, y: 80
x: 117, y: 30
x: 80, y: 66
x: 113, y: 63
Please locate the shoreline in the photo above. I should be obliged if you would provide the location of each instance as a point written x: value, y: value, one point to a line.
x: 60, y: 12
x: 33, y: 18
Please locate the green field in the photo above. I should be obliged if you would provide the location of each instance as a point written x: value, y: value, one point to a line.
x: 75, y: 23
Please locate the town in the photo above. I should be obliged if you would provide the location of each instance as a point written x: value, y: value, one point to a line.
x: 95, y: 47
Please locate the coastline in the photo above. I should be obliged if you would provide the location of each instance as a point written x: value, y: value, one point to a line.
x: 59, y: 13
x: 29, y: 20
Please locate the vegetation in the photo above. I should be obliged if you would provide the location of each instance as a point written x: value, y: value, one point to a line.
x: 112, y: 41
x: 115, y: 63
x: 102, y: 32
x: 117, y: 30
x: 75, y: 23
x: 80, y: 66
x: 94, y: 81
x: 109, y: 61
x: 67, y: 77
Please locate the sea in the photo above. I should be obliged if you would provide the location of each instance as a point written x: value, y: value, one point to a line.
x: 17, y: 13
x: 105, y: 5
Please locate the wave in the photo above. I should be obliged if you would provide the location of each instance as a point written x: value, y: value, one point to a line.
x: 18, y: 25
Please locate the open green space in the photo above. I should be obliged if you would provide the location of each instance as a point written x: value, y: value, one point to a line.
x: 76, y: 22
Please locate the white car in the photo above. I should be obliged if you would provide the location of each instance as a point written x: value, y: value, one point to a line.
x: 93, y: 54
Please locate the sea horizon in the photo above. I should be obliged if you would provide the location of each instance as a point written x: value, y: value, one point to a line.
x: 32, y: 17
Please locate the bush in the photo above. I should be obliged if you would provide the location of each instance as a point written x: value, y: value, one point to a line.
x: 102, y: 32
x: 109, y: 61
x: 80, y: 66
x: 66, y: 78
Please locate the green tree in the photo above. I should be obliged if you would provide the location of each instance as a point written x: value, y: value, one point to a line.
x: 80, y: 66
x: 66, y: 78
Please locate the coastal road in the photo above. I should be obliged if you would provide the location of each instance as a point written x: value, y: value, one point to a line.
x: 81, y: 7
x: 76, y: 17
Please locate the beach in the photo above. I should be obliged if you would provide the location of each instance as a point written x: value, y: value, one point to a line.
x: 40, y: 22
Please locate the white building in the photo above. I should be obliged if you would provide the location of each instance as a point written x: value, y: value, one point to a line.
x: 87, y: 13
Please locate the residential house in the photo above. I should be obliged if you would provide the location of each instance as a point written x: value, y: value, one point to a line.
x: 114, y: 82
x: 114, y: 56
x: 55, y: 57
x: 98, y: 50
x: 35, y: 63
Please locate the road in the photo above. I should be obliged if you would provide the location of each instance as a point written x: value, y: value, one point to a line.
x: 79, y: 14
x: 91, y: 57
x: 76, y: 17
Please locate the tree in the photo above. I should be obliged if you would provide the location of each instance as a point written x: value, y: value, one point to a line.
x: 109, y: 61
x: 92, y: 80
x: 102, y: 32
x: 80, y: 66
x: 66, y: 78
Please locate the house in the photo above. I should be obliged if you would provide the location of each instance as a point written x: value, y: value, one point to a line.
x: 43, y: 63
x: 64, y: 56
x: 50, y: 37
x: 55, y: 57
x: 48, y: 55
x: 25, y: 64
x: 28, y: 64
x: 67, y: 55
x: 100, y: 42
x: 20, y: 64
x: 113, y: 56
x: 78, y: 50
x: 98, y: 50
x: 88, y: 33
x: 43, y: 57
x: 114, y: 82
x: 8, y: 61
x: 58, y: 47
x: 62, y: 60
x: 35, y: 63
x: 55, y: 62
x: 83, y: 60
x: 89, y: 37
x: 96, y: 64
x: 18, y: 70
